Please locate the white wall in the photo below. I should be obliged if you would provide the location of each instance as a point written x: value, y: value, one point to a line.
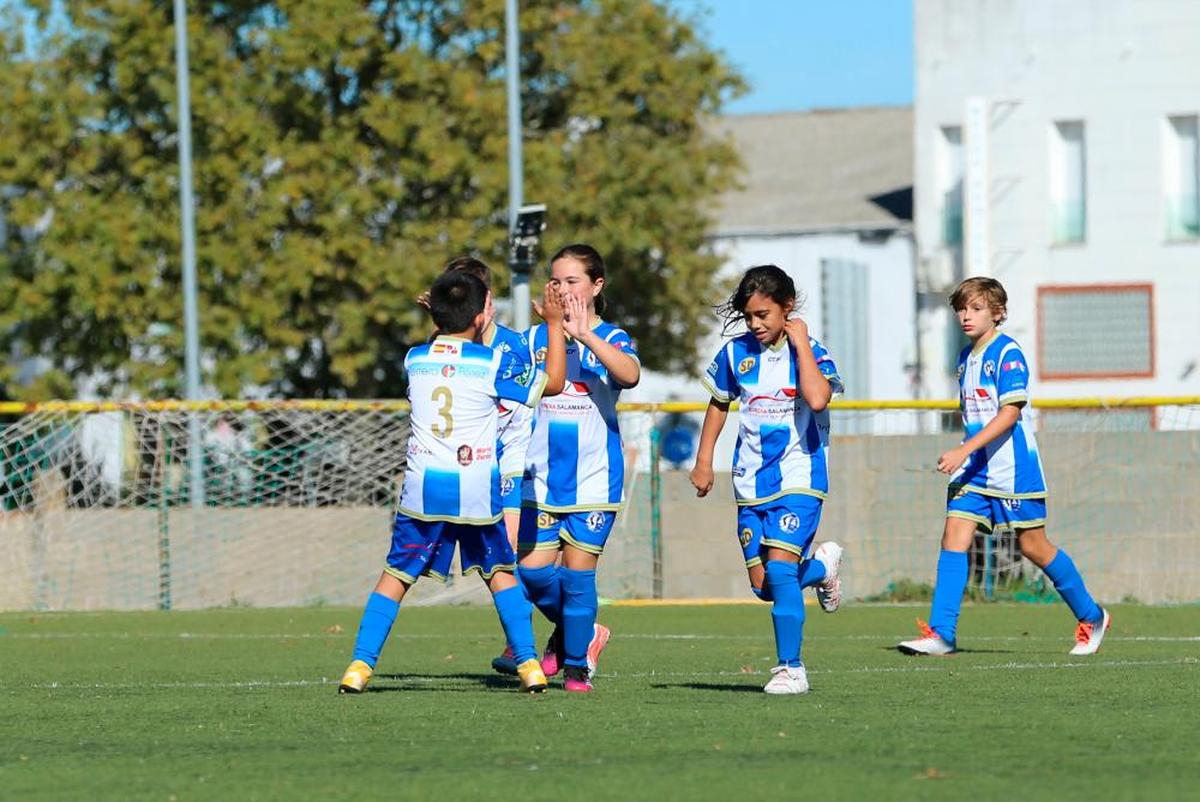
x: 1120, y: 66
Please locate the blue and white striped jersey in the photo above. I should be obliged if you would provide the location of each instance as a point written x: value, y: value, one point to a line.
x: 575, y: 460
x: 453, y: 388
x: 782, y: 445
x: 516, y: 420
x: 990, y: 375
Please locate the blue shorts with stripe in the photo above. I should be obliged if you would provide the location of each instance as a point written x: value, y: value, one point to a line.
x: 992, y: 511
x: 789, y: 523
x: 587, y: 531
x: 426, y: 548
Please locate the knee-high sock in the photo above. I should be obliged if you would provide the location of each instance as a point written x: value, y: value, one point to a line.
x: 1069, y: 584
x: 952, y: 570
x: 516, y: 617
x: 578, y: 614
x: 544, y: 588
x: 787, y: 612
x: 373, y: 629
x: 812, y: 572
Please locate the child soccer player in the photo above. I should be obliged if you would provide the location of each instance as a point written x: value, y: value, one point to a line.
x: 784, y: 379
x: 575, y: 469
x: 451, y: 492
x: 996, y: 476
x: 514, y: 428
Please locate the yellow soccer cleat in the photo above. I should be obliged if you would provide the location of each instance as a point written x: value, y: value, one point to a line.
x: 356, y: 678
x: 533, y: 679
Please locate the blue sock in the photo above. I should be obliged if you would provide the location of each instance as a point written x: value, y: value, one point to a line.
x: 544, y: 589
x: 373, y: 629
x: 812, y: 572
x: 787, y: 614
x: 580, y: 604
x: 952, y: 571
x: 1069, y: 584
x: 516, y: 617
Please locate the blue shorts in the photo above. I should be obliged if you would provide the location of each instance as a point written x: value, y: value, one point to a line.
x: 426, y: 548
x: 789, y: 523
x: 991, y: 511
x: 586, y: 531
x: 510, y: 493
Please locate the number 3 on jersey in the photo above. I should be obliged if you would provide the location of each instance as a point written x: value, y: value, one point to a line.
x: 443, y: 395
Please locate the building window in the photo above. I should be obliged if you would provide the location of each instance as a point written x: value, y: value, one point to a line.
x: 950, y: 184
x: 1068, y: 182
x: 1096, y: 331
x: 1181, y: 177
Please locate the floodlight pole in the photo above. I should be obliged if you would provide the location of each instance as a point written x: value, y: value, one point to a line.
x: 516, y: 173
x: 187, y: 217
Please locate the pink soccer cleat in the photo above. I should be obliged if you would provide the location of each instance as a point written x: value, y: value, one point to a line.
x: 550, y: 661
x: 600, y: 636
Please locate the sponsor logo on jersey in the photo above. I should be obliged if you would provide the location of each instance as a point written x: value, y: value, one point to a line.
x: 591, y: 361
x: 503, y: 348
x: 746, y: 365
x: 465, y: 457
x: 989, y: 368
x: 982, y: 393
x: 712, y: 369
x: 745, y: 536
x: 546, y: 520
x: 448, y: 371
x: 526, y: 378
x: 596, y: 521
x: 445, y: 348
x: 790, y: 522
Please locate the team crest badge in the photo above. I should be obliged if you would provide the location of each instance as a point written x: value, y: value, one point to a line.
x: 790, y: 522
x: 506, y: 485
x: 746, y: 365
x: 989, y: 368
x: 591, y: 360
x: 745, y: 536
x: 596, y: 521
x: 465, y: 456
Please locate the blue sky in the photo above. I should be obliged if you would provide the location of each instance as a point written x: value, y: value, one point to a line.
x: 804, y: 54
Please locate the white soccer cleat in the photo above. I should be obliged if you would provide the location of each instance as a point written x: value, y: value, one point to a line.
x: 786, y: 679
x: 929, y: 643
x: 829, y: 590
x: 1089, y: 634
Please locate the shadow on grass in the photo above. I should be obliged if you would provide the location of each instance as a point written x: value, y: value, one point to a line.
x: 708, y: 686
x: 443, y: 682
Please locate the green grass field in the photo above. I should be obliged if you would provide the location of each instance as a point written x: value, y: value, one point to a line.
x: 242, y: 704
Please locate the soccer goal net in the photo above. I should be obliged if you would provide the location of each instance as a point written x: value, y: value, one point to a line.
x: 187, y: 505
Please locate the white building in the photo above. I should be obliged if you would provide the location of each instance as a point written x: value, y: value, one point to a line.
x: 1056, y: 150
x: 827, y: 196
